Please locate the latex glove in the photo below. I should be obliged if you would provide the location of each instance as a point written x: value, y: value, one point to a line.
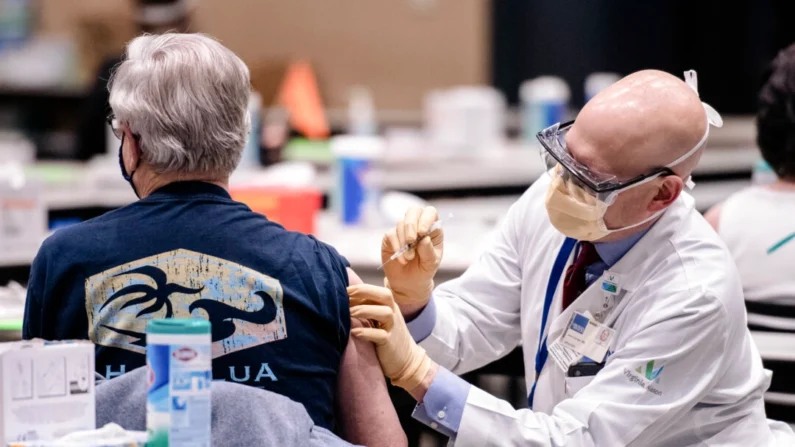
x: 410, y: 276
x: 401, y: 359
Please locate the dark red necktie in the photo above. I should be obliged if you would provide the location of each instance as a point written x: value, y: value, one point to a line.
x: 574, y: 283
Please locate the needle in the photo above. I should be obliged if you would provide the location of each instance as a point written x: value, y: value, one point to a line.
x: 436, y: 226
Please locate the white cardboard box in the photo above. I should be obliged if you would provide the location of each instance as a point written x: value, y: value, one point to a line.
x: 47, y: 389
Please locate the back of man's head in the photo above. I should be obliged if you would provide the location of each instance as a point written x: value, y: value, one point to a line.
x: 775, y: 119
x: 185, y: 96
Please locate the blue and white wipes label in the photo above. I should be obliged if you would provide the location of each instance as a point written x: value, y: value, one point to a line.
x: 179, y: 400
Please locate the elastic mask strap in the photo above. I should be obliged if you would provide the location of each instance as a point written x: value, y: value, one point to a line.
x: 611, y: 197
x: 653, y: 216
x: 712, y: 116
x: 689, y: 153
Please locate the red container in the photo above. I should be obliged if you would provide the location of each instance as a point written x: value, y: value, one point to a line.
x: 294, y: 208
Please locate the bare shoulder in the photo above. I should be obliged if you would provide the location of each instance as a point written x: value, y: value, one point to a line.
x: 353, y: 279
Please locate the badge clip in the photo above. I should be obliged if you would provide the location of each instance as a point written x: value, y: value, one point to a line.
x: 611, y: 283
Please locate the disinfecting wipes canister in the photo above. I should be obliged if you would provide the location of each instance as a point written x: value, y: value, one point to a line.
x: 179, y: 360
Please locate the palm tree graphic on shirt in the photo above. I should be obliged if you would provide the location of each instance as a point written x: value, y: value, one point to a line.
x: 159, y: 294
x: 221, y: 315
x: 245, y: 306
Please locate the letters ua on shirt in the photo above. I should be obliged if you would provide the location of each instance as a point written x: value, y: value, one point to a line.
x: 237, y: 373
x: 585, y: 337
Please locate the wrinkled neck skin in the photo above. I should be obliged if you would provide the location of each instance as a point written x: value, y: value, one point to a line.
x: 148, y: 181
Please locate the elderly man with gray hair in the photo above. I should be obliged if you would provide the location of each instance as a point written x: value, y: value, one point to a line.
x: 276, y: 299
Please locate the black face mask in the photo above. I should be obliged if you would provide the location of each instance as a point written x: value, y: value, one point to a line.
x: 128, y: 177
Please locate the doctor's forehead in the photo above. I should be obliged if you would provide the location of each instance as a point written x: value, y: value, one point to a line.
x: 614, y: 135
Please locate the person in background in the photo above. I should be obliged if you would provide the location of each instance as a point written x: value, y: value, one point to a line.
x: 151, y: 17
x: 758, y: 223
x: 276, y: 299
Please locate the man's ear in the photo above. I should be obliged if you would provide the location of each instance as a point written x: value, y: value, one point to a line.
x: 133, y: 150
x: 669, y: 190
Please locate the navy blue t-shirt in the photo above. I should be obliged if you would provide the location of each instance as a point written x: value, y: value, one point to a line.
x: 276, y: 299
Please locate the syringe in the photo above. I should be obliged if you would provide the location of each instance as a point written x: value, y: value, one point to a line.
x: 436, y: 226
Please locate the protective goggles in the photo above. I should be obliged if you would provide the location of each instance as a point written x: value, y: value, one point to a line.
x: 554, y: 152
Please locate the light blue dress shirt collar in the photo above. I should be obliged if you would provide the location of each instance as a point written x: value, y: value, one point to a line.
x: 612, y: 252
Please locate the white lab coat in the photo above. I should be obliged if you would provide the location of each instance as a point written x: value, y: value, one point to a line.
x: 680, y: 305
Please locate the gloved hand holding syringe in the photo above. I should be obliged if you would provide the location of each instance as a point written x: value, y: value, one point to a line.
x: 436, y: 226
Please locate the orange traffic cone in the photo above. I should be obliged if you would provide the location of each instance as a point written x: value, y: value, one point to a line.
x: 300, y: 95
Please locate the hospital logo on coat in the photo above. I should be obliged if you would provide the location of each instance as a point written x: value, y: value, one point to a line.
x: 647, y: 377
x: 649, y: 372
x: 244, y: 307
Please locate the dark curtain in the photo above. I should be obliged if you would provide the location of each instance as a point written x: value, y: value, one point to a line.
x: 728, y: 43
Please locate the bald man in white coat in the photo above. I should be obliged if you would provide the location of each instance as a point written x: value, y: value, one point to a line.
x: 628, y: 306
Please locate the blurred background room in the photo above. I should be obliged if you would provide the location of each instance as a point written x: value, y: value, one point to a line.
x: 362, y: 108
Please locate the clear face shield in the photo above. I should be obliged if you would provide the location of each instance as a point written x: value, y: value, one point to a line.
x: 585, y: 194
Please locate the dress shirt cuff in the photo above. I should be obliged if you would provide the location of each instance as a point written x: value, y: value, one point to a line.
x: 443, y: 405
x: 422, y: 325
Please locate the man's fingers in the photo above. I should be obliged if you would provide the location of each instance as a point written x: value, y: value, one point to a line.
x: 437, y: 240
x: 369, y: 294
x: 411, y: 221
x: 437, y: 237
x: 409, y: 254
x: 428, y: 217
x: 380, y: 313
x: 377, y: 336
x: 400, y: 230
x: 389, y: 244
x: 427, y: 255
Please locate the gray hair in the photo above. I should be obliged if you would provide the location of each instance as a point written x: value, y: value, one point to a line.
x: 186, y: 96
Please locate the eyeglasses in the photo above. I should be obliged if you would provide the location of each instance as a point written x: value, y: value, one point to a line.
x: 114, y: 126
x: 554, y: 151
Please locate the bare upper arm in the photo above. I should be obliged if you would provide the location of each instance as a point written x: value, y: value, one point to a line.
x: 364, y: 408
x: 353, y: 278
x: 713, y: 215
